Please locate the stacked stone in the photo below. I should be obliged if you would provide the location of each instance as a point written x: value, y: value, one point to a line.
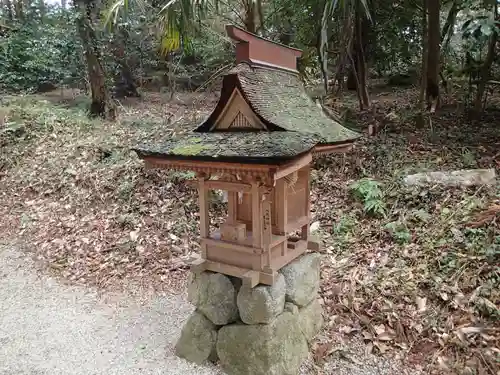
x: 259, y: 331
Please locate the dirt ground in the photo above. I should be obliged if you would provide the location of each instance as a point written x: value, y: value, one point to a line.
x: 416, y: 282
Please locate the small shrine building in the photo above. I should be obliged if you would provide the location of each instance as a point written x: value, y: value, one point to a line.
x: 257, y: 145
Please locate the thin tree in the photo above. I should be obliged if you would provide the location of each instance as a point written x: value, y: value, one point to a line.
x: 101, y: 105
x: 434, y: 53
x: 359, y: 63
x: 423, y: 75
x: 485, y: 69
x: 358, y: 11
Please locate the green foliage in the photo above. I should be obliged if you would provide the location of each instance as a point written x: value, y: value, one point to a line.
x: 36, y: 54
x: 399, y: 232
x: 345, y: 225
x: 369, y: 192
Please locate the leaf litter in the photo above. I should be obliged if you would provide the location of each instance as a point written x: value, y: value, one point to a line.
x: 419, y: 280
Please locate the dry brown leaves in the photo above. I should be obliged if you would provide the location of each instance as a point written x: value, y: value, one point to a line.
x: 86, y: 208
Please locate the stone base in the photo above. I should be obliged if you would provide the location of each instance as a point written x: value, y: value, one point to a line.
x: 254, y: 331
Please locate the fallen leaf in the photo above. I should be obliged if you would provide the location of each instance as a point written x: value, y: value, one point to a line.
x: 421, y: 303
x: 134, y: 235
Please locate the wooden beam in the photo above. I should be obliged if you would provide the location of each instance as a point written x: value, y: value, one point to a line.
x: 292, y: 167
x: 297, y: 224
x: 268, y: 278
x: 250, y: 278
x: 204, y: 166
x: 300, y: 248
x: 231, y: 246
x: 313, y: 246
x: 331, y: 149
x: 197, y: 265
x: 228, y: 186
x: 223, y: 185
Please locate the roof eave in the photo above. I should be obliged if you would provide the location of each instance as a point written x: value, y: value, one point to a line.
x: 272, y: 160
x: 333, y: 148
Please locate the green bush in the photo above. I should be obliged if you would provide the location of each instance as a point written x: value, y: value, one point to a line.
x: 35, y: 55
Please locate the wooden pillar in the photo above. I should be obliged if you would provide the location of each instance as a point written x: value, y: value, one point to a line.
x: 204, y: 218
x: 257, y: 226
x: 256, y: 217
x: 281, y: 206
x: 232, y: 207
x: 306, y: 173
x: 266, y: 231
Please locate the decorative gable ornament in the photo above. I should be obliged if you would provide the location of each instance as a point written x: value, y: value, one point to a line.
x: 257, y: 145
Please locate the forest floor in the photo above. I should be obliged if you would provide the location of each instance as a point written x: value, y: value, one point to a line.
x: 419, y: 281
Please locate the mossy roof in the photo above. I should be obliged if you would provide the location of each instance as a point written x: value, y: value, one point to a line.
x: 295, y: 123
x: 278, y: 97
x: 257, y: 147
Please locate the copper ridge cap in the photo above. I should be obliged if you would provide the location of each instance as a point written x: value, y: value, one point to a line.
x: 261, y: 51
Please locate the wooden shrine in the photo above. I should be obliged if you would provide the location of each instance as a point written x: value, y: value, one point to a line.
x: 257, y: 145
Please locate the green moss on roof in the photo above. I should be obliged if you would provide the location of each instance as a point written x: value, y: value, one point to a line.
x: 243, y: 145
x: 190, y: 149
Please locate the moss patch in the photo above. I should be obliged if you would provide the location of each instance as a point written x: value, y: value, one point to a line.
x: 187, y: 150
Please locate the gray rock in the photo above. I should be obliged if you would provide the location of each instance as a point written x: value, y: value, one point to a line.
x: 278, y: 348
x: 215, y: 296
x: 198, y: 339
x: 311, y: 319
x: 470, y: 177
x: 302, y: 279
x: 291, y: 308
x: 263, y: 303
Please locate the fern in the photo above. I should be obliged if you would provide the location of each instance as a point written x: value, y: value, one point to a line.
x: 399, y: 232
x: 369, y: 192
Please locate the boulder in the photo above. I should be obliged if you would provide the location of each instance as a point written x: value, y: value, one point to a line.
x: 470, y: 177
x: 311, y: 319
x: 302, y: 279
x: 291, y: 308
x: 277, y: 348
x: 215, y: 296
x: 263, y: 303
x: 198, y: 339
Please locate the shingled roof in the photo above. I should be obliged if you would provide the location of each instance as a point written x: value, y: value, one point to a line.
x: 250, y: 147
x: 279, y: 99
x: 291, y: 123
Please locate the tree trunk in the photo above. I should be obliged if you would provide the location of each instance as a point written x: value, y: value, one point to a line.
x: 485, y: 70
x: 18, y: 9
x: 423, y: 75
x: 124, y: 85
x: 8, y: 6
x: 42, y: 8
x: 250, y: 16
x: 434, y: 54
x: 323, y: 64
x: 447, y: 31
x: 351, y: 76
x: 359, y: 58
x: 101, y: 105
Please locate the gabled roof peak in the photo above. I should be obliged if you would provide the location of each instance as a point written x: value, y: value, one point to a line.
x: 257, y: 50
x: 280, y: 102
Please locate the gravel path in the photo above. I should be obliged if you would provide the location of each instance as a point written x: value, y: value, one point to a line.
x: 47, y: 328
